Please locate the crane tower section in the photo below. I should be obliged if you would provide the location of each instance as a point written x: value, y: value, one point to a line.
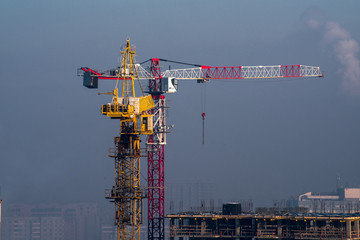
x: 135, y: 120
x: 156, y: 155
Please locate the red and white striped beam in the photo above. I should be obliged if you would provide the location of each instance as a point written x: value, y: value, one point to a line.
x: 244, y: 72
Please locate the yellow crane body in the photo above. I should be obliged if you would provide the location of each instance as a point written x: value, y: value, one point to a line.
x: 135, y: 120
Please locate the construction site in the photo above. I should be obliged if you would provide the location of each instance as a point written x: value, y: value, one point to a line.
x: 332, y: 215
x: 257, y: 226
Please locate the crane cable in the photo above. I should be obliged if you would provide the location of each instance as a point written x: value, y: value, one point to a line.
x: 203, y: 107
x: 171, y: 61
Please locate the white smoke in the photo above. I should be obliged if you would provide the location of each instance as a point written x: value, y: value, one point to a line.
x: 313, y: 23
x: 346, y: 50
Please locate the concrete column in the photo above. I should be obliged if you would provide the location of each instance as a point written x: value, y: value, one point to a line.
x: 253, y: 226
x: 279, y: 228
x: 348, y: 229
x: 203, y: 227
x: 258, y: 229
x: 237, y: 229
x: 356, y: 223
x: 171, y: 226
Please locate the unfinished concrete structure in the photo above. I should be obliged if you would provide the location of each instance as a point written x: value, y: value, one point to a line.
x: 253, y: 226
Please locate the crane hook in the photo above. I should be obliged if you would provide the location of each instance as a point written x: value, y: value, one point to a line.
x: 203, y: 127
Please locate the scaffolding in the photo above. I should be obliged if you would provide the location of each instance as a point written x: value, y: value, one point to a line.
x: 253, y: 226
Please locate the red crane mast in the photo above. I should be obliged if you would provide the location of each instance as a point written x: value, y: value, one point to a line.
x: 156, y: 158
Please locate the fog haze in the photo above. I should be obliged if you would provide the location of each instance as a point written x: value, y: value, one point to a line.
x: 264, y: 140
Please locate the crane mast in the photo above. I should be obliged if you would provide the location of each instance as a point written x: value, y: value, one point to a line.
x: 156, y: 155
x: 127, y: 193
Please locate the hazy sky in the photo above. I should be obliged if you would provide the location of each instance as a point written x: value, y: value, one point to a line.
x: 265, y: 140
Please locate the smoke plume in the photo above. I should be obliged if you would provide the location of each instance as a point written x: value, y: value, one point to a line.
x: 346, y: 50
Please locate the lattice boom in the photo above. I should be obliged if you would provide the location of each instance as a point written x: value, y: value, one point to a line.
x: 244, y: 72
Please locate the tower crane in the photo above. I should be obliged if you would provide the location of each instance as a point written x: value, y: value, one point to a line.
x: 135, y: 120
x: 146, y: 116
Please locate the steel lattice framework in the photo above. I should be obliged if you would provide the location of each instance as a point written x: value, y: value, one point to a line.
x: 135, y: 120
x: 127, y: 193
x: 156, y: 156
x: 243, y: 72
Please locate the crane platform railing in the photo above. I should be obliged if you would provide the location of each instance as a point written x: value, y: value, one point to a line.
x: 112, y: 74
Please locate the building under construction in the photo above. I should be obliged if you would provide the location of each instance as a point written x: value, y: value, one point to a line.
x: 232, y: 224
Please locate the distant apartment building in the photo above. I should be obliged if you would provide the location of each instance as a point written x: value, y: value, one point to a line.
x: 107, y: 232
x: 52, y: 222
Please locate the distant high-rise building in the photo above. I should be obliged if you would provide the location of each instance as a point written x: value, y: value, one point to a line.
x: 52, y: 222
x: 107, y: 232
x: 52, y: 228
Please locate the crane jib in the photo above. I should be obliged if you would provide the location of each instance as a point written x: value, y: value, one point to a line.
x: 243, y: 72
x: 209, y: 72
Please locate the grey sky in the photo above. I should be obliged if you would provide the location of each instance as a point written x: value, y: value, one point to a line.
x: 264, y: 140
